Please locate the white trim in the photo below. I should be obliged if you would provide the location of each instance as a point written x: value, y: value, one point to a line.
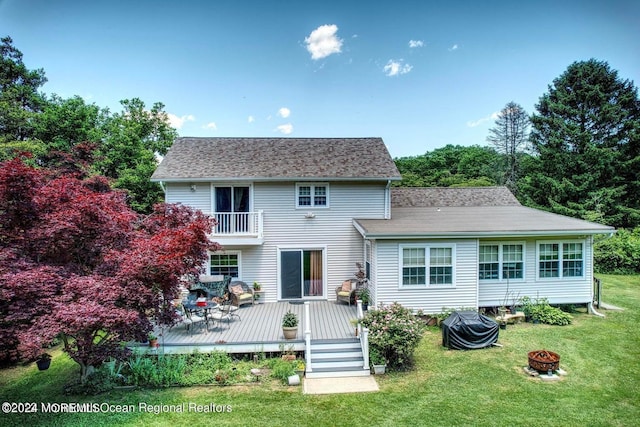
x: 226, y: 252
x: 427, y: 248
x: 500, y: 244
x: 312, y: 186
x: 322, y: 248
x: 560, y: 244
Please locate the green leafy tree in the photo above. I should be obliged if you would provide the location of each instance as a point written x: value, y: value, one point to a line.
x: 586, y: 133
x: 128, y: 154
x: 63, y: 123
x: 451, y: 166
x: 510, y: 136
x: 19, y: 96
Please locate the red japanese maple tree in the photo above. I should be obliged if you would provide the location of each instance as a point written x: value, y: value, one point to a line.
x: 77, y: 262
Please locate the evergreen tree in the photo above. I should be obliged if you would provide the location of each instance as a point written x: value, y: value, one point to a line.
x: 586, y: 133
x: 19, y: 97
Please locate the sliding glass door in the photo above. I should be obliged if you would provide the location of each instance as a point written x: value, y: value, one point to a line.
x: 301, y: 273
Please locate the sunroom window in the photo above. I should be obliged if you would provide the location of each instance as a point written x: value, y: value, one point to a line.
x: 560, y: 259
x: 501, y: 261
x: 424, y: 265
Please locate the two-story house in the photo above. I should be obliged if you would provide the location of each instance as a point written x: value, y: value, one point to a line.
x: 296, y: 214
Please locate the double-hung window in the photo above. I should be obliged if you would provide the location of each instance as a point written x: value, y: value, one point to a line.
x: 312, y: 195
x: 225, y: 264
x: 560, y: 259
x: 426, y: 265
x: 501, y: 261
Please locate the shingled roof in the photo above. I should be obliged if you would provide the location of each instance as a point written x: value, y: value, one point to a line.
x: 438, y: 212
x: 404, y: 197
x: 277, y: 159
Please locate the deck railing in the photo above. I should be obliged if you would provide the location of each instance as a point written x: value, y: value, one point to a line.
x: 307, y: 337
x: 238, y: 223
x: 364, y: 336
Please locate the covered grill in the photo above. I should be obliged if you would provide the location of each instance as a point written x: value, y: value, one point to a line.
x: 468, y: 330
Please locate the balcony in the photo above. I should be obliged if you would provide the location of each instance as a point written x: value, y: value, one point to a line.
x: 238, y: 228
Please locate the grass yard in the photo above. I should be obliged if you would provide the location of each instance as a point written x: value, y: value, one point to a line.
x: 446, y: 388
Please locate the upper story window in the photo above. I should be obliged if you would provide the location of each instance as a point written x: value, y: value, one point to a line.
x: 312, y: 195
x: 426, y: 265
x: 560, y: 259
x: 501, y: 261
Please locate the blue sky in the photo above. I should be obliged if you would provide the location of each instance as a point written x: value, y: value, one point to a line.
x: 419, y: 74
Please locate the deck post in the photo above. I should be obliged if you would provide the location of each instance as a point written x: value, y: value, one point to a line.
x: 307, y: 337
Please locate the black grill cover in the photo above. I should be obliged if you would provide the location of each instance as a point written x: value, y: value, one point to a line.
x: 468, y: 330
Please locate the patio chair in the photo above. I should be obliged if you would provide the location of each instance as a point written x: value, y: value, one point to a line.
x: 240, y: 293
x: 346, y: 292
x: 211, y: 286
x: 222, y: 313
x: 191, y: 319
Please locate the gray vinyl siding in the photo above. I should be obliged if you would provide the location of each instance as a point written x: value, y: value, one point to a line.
x: 557, y: 291
x: 331, y: 229
x: 431, y: 299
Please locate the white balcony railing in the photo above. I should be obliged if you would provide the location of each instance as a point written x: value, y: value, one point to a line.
x: 238, y: 224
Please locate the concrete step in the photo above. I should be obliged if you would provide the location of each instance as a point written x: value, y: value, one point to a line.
x: 338, y: 374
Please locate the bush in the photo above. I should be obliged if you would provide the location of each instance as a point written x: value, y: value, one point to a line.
x: 618, y: 254
x: 540, y: 311
x: 395, y: 333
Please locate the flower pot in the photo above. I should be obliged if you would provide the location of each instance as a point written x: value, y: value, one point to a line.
x: 503, y: 325
x: 43, y: 364
x: 290, y: 333
x: 379, y: 369
x: 153, y: 343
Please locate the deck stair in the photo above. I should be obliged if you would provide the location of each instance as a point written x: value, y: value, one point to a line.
x: 336, y: 358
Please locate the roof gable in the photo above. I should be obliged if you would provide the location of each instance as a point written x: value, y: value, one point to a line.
x: 277, y: 158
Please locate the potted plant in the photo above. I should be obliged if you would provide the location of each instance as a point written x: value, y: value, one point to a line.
x: 43, y: 361
x: 290, y: 325
x: 257, y: 286
x: 364, y: 296
x: 355, y: 323
x: 377, y: 360
x: 300, y: 368
x: 153, y: 340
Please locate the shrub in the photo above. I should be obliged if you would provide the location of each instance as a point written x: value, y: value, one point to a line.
x: 540, y: 311
x: 394, y: 332
x: 618, y: 254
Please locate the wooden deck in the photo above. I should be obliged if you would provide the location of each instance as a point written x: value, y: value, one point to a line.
x: 259, y: 329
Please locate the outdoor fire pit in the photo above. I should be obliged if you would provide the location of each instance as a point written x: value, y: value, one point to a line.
x: 544, y: 361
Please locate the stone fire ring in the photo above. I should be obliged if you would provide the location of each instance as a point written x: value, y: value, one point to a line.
x: 544, y: 361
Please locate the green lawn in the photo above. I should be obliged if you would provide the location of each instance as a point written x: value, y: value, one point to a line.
x: 482, y: 387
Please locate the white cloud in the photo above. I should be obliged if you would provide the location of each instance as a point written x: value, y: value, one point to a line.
x: 284, y: 112
x: 251, y: 119
x: 454, y: 47
x: 474, y: 123
x: 178, y: 122
x: 323, y: 42
x: 395, y: 68
x: 416, y: 43
x: 285, y: 129
x: 210, y: 125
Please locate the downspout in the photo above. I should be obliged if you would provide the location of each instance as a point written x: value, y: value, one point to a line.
x: 387, y: 200
x: 164, y: 190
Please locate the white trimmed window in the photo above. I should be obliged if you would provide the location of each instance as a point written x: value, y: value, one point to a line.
x: 560, y: 259
x: 312, y: 195
x: 225, y: 264
x: 426, y: 265
x: 501, y: 261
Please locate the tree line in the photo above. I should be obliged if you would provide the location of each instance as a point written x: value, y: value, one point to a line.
x: 578, y: 154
